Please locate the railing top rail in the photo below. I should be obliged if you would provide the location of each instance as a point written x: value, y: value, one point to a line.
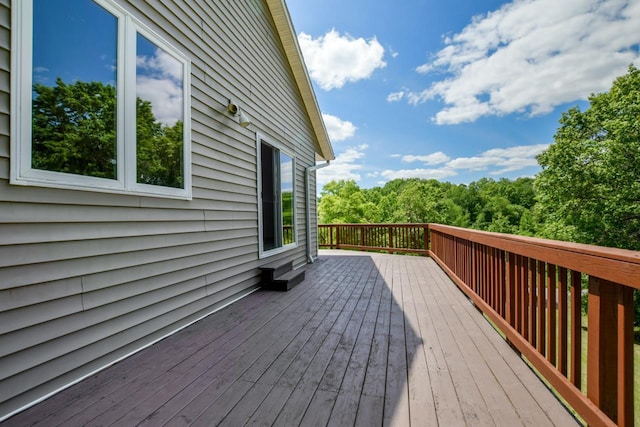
x: 377, y: 225
x: 618, y: 265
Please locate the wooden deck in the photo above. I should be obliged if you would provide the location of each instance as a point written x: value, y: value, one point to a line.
x: 366, y: 339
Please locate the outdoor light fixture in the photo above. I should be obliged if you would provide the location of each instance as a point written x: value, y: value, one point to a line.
x: 235, y: 111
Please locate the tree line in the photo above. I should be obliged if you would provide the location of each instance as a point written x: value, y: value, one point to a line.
x: 503, y: 206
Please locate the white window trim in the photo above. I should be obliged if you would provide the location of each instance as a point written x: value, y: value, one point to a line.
x: 21, y: 89
x: 261, y: 252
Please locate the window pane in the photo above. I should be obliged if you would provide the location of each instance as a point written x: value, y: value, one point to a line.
x: 270, y: 208
x: 159, y: 116
x: 286, y: 183
x: 74, y: 88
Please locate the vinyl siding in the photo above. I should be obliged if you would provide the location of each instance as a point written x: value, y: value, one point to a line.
x: 87, y: 277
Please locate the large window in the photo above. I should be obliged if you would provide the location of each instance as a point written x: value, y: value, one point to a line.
x: 277, y: 198
x: 100, y: 102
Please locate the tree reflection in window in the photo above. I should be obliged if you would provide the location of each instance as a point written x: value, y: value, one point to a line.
x: 74, y: 117
x: 74, y: 129
x: 159, y: 116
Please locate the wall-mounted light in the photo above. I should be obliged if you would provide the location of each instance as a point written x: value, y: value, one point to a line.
x: 235, y: 111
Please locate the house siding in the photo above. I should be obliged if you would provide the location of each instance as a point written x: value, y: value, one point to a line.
x: 87, y: 277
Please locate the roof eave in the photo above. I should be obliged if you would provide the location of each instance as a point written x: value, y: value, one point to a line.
x: 287, y: 34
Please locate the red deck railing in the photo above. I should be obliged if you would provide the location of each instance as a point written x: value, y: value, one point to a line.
x: 400, y: 238
x: 532, y: 290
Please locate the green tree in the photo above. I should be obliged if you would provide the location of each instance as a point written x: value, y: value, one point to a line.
x: 590, y: 179
x: 421, y: 201
x: 341, y: 202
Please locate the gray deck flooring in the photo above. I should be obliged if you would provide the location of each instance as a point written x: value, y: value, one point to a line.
x: 366, y: 339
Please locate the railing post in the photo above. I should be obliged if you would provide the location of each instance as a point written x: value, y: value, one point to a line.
x: 625, y: 356
x: 605, y: 351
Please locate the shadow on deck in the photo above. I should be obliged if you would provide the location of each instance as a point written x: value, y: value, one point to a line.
x: 366, y: 339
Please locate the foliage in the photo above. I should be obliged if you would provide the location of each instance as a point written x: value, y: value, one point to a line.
x: 590, y: 179
x: 486, y: 204
x: 344, y: 202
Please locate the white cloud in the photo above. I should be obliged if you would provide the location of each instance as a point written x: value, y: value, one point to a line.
x: 345, y: 166
x: 161, y: 64
x: 532, y: 55
x: 519, y: 151
x: 478, y: 163
x: 338, y: 129
x: 424, y: 68
x: 395, y: 96
x: 165, y: 97
x: 159, y: 80
x: 506, y: 159
x: 514, y: 164
x: 430, y: 159
x: 334, y: 60
x: 439, y: 173
x: 497, y: 161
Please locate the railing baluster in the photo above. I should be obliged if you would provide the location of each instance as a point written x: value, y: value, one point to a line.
x: 520, y: 297
x: 576, y: 329
x: 526, y: 306
x: 542, y: 301
x: 481, y: 264
x: 500, y: 262
x: 551, y: 313
x: 487, y: 274
x: 563, y: 323
x: 486, y: 263
x: 511, y: 289
x: 495, y: 281
x: 502, y: 278
x: 404, y: 237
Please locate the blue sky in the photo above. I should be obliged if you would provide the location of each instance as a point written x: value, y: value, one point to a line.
x: 456, y: 90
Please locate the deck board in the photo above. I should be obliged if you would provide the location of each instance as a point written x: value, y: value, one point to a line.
x: 365, y: 339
